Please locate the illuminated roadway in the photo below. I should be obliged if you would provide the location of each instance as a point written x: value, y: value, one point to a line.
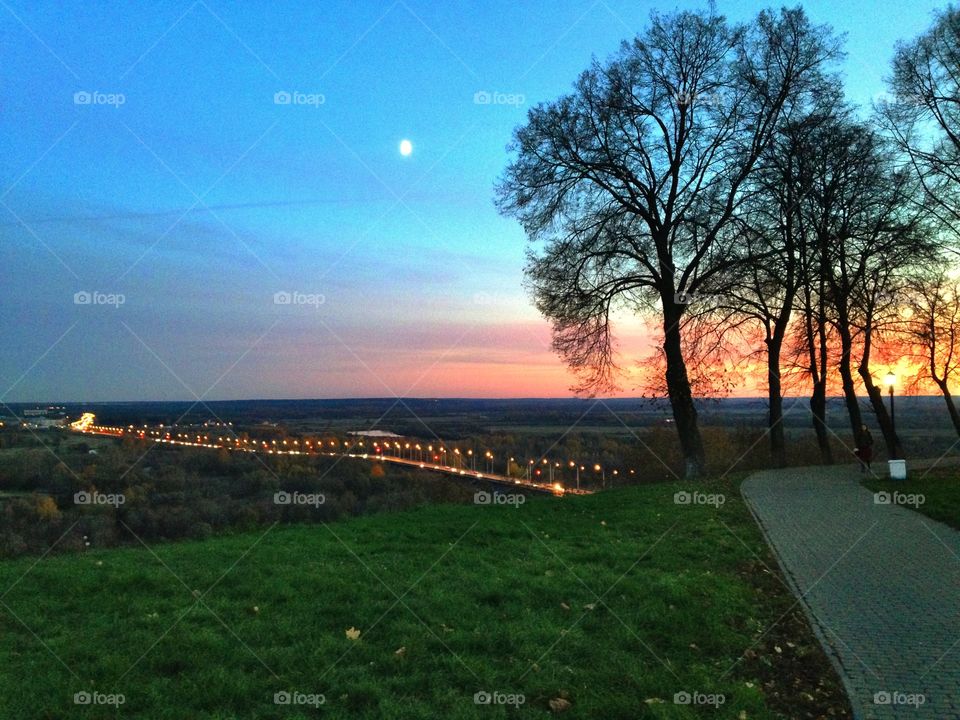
x: 86, y: 425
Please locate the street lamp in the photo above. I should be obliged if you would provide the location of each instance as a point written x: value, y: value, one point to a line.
x: 891, y: 381
x: 898, y: 467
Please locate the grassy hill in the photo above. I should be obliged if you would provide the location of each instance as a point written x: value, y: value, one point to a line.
x: 595, y: 607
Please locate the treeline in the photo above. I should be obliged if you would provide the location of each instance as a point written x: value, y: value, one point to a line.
x: 713, y: 178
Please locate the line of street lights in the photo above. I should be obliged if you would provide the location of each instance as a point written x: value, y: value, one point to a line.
x: 411, y: 450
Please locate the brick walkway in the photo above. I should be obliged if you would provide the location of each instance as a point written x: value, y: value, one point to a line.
x: 881, y: 584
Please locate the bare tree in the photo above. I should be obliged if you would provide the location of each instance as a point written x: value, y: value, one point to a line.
x: 931, y: 330
x: 924, y: 117
x: 812, y: 342
x: 775, y: 243
x: 868, y: 230
x: 631, y: 180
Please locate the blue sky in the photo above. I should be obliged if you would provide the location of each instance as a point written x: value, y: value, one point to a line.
x: 199, y: 197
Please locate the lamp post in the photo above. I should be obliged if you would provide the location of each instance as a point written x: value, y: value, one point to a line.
x: 898, y: 467
x: 891, y: 380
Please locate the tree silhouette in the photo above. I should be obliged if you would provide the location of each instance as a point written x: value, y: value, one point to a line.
x: 628, y: 184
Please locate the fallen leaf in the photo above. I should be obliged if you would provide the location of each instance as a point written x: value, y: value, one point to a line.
x: 353, y: 634
x: 564, y: 606
x: 559, y: 705
x: 401, y: 651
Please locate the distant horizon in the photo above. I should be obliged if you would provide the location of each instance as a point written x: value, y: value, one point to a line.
x: 390, y: 398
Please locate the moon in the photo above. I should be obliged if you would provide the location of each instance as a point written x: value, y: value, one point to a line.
x: 406, y: 147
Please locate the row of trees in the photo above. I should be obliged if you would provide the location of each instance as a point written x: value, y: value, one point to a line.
x: 713, y: 177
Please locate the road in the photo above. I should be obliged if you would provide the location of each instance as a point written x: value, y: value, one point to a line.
x: 88, y: 428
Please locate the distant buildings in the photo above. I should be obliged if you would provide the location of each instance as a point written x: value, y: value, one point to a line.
x: 46, y: 417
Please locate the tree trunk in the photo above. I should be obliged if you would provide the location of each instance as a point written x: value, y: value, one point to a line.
x: 951, y: 406
x: 778, y: 448
x: 681, y: 397
x: 894, y: 448
x: 818, y: 408
x: 846, y: 377
x: 817, y: 355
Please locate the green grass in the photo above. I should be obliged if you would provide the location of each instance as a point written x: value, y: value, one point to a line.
x: 940, y: 488
x: 479, y: 598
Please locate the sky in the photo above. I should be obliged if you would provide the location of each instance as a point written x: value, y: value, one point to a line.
x: 208, y: 200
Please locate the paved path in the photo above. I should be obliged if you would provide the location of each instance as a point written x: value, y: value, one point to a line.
x: 880, y: 582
